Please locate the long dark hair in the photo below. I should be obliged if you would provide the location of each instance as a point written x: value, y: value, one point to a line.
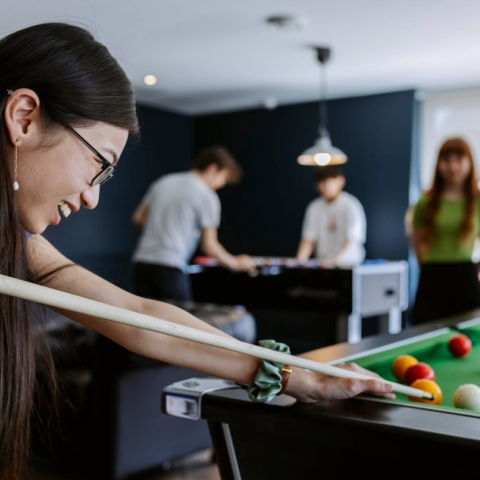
x: 80, y: 83
x: 456, y: 146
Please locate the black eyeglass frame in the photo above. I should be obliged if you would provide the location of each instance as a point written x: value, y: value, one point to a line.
x: 108, y: 168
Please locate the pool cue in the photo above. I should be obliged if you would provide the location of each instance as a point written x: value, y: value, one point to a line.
x: 67, y: 301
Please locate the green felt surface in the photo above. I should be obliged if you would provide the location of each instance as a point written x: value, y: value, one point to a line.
x: 450, y: 371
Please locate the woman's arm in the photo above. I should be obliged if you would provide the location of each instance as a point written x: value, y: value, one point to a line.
x: 417, y: 244
x: 306, y: 386
x: 414, y: 221
x: 74, y: 279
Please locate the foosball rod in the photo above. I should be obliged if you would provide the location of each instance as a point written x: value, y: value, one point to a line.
x: 55, y: 298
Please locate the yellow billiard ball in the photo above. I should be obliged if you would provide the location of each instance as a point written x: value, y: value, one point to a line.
x: 427, y: 386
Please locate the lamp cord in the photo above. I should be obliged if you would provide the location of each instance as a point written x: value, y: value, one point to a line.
x: 323, y: 101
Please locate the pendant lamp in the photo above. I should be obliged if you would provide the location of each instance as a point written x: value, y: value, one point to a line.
x: 323, y: 152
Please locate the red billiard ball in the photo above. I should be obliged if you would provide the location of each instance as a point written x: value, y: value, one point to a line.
x: 419, y: 371
x: 460, y: 345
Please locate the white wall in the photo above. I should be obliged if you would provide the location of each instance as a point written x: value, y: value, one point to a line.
x: 455, y: 114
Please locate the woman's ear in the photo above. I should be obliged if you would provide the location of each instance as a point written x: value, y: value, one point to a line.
x: 22, y: 115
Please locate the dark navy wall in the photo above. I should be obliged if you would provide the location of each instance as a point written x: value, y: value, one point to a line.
x: 103, y: 239
x: 263, y: 215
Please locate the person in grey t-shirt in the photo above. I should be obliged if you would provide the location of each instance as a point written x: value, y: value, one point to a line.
x: 179, y: 211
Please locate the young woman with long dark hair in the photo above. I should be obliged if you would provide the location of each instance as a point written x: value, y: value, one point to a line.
x: 446, y: 222
x: 67, y: 109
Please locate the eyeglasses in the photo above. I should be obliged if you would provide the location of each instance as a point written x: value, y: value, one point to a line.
x: 108, y: 169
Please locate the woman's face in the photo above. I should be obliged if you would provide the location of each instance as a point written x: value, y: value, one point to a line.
x: 59, y: 168
x: 454, y: 169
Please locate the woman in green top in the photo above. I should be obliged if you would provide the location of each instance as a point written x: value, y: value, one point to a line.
x: 445, y: 225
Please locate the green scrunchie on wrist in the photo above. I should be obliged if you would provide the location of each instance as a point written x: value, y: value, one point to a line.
x: 268, y: 381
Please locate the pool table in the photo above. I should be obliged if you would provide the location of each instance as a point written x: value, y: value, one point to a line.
x: 362, y: 436
x: 431, y: 348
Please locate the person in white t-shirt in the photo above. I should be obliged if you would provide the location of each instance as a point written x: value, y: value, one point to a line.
x: 334, y: 225
x: 178, y: 212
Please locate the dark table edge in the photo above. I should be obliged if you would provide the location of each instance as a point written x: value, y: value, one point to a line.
x: 233, y: 407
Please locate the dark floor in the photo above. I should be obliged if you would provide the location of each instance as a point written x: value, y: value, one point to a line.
x: 196, y: 467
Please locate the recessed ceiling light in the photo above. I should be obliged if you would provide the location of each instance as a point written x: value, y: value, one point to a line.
x: 150, y: 80
x: 270, y: 102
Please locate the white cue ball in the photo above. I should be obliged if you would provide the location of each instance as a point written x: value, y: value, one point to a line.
x: 468, y: 397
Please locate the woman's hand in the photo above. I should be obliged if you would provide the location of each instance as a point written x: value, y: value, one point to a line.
x: 311, y: 386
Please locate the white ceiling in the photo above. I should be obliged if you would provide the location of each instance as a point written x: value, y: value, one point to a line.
x: 215, y: 55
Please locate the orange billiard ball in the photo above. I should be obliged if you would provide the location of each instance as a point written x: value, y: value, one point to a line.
x: 401, y: 364
x: 427, y: 386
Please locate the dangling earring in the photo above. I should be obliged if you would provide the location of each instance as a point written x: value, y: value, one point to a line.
x: 16, y: 186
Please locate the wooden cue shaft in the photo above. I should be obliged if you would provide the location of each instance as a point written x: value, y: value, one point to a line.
x: 74, y: 303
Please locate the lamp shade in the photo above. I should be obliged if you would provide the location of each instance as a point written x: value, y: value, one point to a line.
x: 323, y: 153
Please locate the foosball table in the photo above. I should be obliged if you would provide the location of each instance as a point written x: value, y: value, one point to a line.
x: 291, y: 288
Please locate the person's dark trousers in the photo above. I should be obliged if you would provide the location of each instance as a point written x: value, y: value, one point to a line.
x: 444, y: 290
x: 161, y: 282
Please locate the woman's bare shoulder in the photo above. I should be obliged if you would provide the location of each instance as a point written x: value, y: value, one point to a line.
x: 43, y: 257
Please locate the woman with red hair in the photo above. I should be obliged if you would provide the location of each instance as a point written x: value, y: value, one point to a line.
x: 446, y: 222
